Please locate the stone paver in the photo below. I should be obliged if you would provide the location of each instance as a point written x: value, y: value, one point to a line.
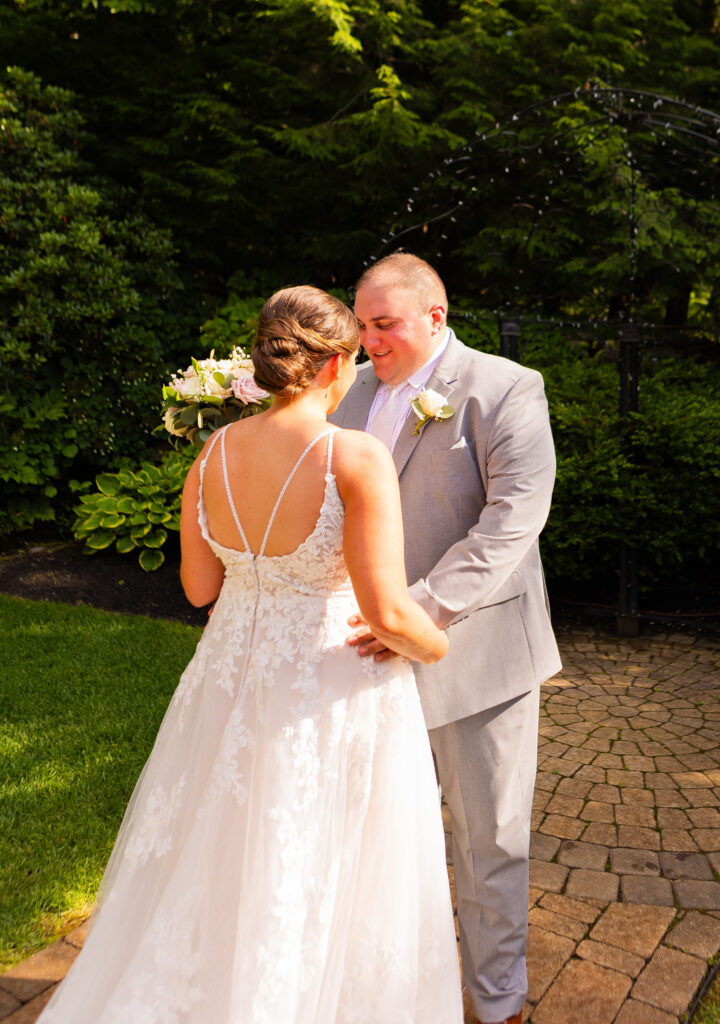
x: 610, y: 956
x: 705, y: 895
x: 698, y: 934
x: 634, y: 928
x: 548, y: 876
x: 29, y: 1012
x: 670, y: 980
x: 8, y: 1003
x: 646, y: 715
x: 593, y: 885
x: 31, y: 977
x: 686, y: 865
x: 633, y: 1012
x: 649, y: 891
x: 547, y: 954
x: 583, y: 855
x: 583, y: 992
x: 543, y: 847
x: 626, y: 820
x: 634, y: 862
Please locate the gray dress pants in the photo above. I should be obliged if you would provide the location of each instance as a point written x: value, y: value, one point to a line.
x: 487, y: 764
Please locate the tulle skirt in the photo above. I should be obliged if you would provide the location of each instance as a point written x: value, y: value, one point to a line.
x: 282, y: 858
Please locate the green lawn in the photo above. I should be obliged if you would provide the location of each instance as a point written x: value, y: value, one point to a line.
x: 82, y: 693
x: 709, y: 1012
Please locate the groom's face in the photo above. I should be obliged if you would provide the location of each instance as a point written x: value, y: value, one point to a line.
x: 397, y: 332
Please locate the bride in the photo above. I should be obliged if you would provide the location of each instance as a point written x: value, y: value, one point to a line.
x: 282, y: 858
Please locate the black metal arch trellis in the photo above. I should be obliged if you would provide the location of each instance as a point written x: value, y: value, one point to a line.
x: 634, y: 164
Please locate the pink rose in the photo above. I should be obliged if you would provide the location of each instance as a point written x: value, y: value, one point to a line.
x: 244, y: 387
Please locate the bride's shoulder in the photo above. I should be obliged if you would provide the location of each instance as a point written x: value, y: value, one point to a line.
x: 358, y: 455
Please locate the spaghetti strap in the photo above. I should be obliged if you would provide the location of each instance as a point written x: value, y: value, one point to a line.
x: 201, y: 510
x: 231, y: 503
x: 329, y: 452
x: 287, y: 484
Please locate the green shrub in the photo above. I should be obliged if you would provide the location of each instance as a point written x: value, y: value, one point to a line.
x: 86, y: 309
x: 654, y: 484
x: 134, y: 509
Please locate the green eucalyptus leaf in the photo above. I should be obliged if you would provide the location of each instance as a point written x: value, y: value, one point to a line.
x: 188, y: 415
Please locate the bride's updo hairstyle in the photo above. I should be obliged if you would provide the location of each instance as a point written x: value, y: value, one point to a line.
x: 298, y: 330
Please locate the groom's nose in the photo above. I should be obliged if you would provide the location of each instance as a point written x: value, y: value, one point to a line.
x: 372, y: 341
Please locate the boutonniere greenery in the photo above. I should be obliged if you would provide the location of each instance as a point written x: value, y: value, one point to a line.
x: 429, y: 405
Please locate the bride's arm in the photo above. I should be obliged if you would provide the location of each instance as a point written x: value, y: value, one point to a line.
x: 201, y: 571
x: 374, y: 549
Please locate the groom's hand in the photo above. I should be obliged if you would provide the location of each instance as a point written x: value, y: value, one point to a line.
x: 365, y: 642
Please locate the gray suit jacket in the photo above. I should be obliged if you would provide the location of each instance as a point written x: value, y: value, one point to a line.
x: 475, y: 495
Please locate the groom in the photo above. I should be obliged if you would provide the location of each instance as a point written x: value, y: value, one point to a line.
x: 475, y: 490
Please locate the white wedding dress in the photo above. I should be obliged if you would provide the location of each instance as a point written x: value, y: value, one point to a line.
x: 282, y: 858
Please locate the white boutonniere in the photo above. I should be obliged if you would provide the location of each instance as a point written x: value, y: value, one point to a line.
x: 429, y: 405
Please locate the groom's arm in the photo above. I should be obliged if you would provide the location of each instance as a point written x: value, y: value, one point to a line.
x: 520, y: 475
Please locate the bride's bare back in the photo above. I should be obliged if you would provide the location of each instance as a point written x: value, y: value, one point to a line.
x: 260, y: 455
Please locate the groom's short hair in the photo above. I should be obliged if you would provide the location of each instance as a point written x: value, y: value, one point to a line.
x: 410, y: 272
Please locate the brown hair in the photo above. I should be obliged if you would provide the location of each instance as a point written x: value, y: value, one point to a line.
x: 298, y: 330
x: 410, y: 272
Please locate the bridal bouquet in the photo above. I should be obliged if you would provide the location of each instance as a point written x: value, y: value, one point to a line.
x: 209, y: 394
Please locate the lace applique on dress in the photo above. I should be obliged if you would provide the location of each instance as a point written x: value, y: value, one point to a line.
x: 283, y: 858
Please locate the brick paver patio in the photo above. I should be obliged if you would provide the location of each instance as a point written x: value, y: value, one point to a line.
x: 625, y: 897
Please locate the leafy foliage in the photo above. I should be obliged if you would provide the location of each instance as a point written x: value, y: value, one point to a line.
x: 277, y: 139
x: 85, y: 290
x: 134, y: 509
x: 654, y: 483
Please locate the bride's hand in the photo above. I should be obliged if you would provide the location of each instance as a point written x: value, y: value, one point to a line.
x: 365, y: 642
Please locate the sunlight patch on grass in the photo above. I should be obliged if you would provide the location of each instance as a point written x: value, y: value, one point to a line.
x: 82, y: 695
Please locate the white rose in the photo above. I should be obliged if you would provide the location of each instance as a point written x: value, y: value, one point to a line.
x: 213, y: 388
x: 190, y: 387
x: 431, y: 402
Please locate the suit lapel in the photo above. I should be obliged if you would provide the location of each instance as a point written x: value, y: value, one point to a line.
x: 442, y: 380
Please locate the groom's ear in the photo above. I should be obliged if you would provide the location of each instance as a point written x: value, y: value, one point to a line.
x: 438, y: 317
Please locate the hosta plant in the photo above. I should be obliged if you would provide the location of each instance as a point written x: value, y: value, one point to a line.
x: 134, y: 509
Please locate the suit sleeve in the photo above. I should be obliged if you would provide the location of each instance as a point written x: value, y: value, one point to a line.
x: 520, y: 459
